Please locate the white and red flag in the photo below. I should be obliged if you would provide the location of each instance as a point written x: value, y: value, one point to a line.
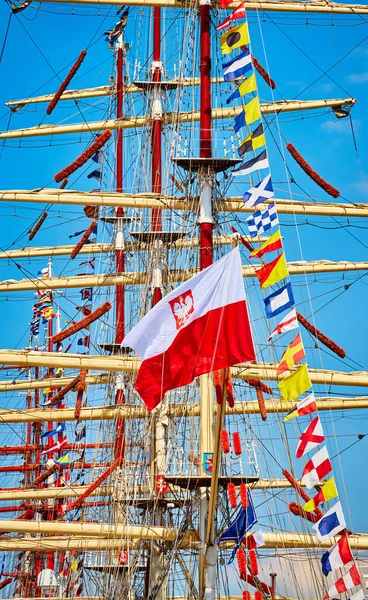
x: 310, y: 438
x: 200, y: 327
x: 288, y: 323
x: 344, y: 584
x: 338, y: 556
x: 316, y: 468
x: 55, y: 447
x: 238, y: 13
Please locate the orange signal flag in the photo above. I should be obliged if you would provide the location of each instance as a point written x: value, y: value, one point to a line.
x: 272, y: 272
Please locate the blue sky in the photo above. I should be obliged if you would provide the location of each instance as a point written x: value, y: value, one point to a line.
x: 327, y: 143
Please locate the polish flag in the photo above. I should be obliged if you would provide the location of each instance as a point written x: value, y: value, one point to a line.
x: 317, y: 468
x: 344, y: 584
x: 200, y: 327
x: 238, y: 13
x: 310, y: 438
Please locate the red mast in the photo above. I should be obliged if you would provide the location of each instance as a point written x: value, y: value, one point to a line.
x: 119, y: 251
x: 156, y: 151
x: 119, y: 244
x: 205, y: 233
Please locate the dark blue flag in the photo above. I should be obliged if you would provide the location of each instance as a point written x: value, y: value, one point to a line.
x: 244, y: 521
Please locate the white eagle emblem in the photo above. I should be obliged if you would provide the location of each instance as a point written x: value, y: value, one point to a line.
x: 182, y: 307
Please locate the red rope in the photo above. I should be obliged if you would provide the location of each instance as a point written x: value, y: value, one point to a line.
x: 261, y: 404
x: 77, y: 248
x: 218, y: 386
x: 81, y: 389
x: 229, y: 390
x: 246, y: 595
x: 244, y: 495
x: 258, y: 595
x: 231, y: 492
x: 5, y: 582
x: 87, y: 154
x: 242, y: 239
x: 263, y: 73
x: 253, y: 564
x: 298, y: 511
x: 60, y: 395
x: 96, y: 314
x: 332, y: 191
x: 224, y: 436
x: 320, y: 336
x: 237, y: 443
x: 299, y: 490
x: 242, y: 564
x: 91, y: 211
x: 260, y: 386
x: 41, y: 478
x: 265, y: 588
x: 91, y: 488
x: 38, y: 226
x: 66, y: 82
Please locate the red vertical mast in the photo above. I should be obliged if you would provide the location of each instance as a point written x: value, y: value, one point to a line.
x: 205, y: 234
x: 156, y: 146
x: 119, y: 251
x: 119, y: 243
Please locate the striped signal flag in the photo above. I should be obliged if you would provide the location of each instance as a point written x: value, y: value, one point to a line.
x: 293, y: 354
x: 306, y: 407
x: 273, y: 243
x: 238, y: 13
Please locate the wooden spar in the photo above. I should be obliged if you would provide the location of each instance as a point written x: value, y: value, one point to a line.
x: 99, y: 530
x: 212, y: 503
x: 149, y: 200
x: 219, y: 240
x: 37, y: 251
x: 170, y: 118
x: 104, y: 90
x: 133, y: 411
x: 115, y: 542
x: 74, y: 491
x: 51, y: 382
x: 303, y: 7
x: 142, y: 278
x: 260, y: 371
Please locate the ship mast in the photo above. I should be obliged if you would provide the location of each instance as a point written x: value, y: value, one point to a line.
x: 207, y: 555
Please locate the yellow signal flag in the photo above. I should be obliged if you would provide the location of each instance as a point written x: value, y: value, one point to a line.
x: 252, y: 111
x: 234, y: 38
x: 327, y: 492
x: 295, y: 384
x: 248, y: 86
x: 272, y: 272
x: 74, y: 565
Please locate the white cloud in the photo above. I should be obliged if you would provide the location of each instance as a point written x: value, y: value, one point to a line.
x: 340, y: 126
x: 327, y: 87
x: 358, y: 77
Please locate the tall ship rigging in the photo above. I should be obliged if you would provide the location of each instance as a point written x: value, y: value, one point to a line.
x: 180, y: 365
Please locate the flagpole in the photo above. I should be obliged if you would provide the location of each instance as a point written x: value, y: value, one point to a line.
x: 119, y: 245
x: 207, y: 553
x: 158, y: 448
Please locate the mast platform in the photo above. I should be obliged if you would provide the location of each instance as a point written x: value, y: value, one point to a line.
x: 214, y: 165
x: 194, y: 482
x: 145, y: 237
x: 152, y: 85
